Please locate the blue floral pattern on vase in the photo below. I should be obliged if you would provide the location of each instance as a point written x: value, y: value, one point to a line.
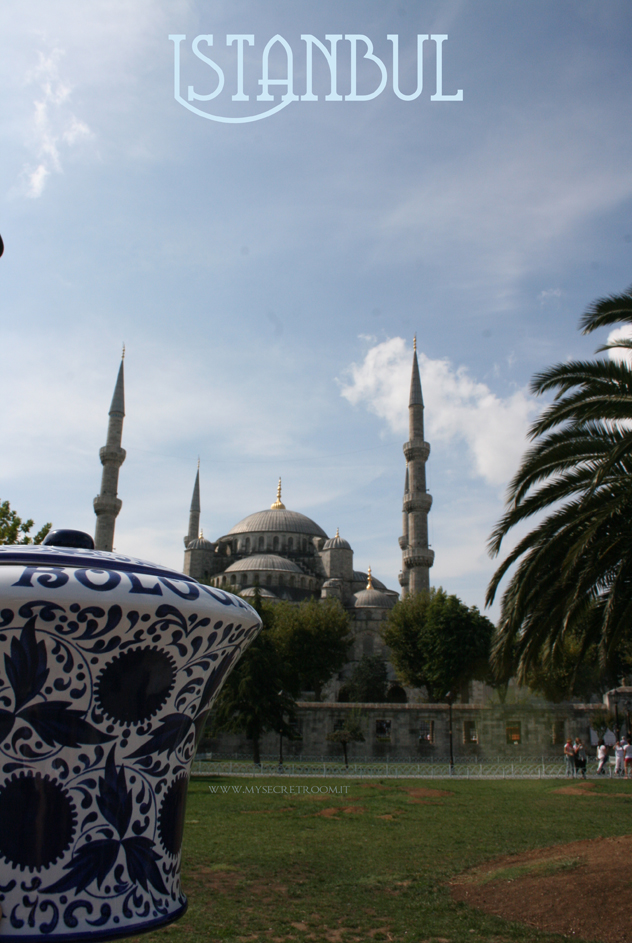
x: 106, y: 679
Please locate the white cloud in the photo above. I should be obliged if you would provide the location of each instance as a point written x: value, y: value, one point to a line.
x: 549, y: 294
x: 457, y: 406
x: 620, y: 354
x: 53, y: 125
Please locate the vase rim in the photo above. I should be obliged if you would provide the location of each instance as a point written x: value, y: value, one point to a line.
x: 53, y: 556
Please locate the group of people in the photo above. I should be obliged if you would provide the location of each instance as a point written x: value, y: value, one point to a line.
x: 576, y: 759
x: 575, y: 756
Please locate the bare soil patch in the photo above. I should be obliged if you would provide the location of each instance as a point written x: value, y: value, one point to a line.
x: 581, y: 889
x: 422, y: 792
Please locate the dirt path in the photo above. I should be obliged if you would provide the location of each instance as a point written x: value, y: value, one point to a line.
x: 582, y: 890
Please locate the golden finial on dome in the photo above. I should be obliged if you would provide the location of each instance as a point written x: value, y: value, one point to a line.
x: 337, y: 532
x: 201, y: 534
x: 278, y: 504
x: 415, y: 342
x: 369, y: 580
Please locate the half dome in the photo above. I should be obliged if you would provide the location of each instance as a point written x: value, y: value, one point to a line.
x: 263, y: 561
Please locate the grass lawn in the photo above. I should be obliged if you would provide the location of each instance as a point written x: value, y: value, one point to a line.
x: 370, y: 863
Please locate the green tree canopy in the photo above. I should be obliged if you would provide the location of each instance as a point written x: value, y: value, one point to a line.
x: 572, y: 573
x: 567, y: 676
x: 438, y: 643
x: 368, y: 682
x: 13, y: 530
x: 259, y: 694
x: 313, y: 638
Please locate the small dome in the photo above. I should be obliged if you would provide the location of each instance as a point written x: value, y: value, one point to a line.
x: 264, y: 593
x: 263, y: 561
x: 331, y: 584
x: 278, y: 520
x: 200, y: 543
x: 337, y: 543
x: 374, y: 599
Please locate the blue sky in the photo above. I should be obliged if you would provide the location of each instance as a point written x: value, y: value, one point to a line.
x: 267, y: 277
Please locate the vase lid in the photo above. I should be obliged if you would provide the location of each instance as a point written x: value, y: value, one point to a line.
x: 58, y: 553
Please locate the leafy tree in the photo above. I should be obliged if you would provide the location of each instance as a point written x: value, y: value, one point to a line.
x: 313, y: 638
x: 566, y: 676
x: 13, y: 530
x: 368, y: 682
x: 259, y: 694
x: 572, y: 578
x: 350, y: 732
x: 438, y: 643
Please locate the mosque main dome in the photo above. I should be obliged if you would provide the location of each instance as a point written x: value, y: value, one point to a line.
x: 280, y: 521
x: 276, y: 519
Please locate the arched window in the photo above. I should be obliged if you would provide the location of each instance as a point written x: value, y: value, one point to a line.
x: 268, y: 580
x: 247, y: 545
x: 261, y: 543
x: 291, y: 581
x: 290, y: 544
x: 275, y: 543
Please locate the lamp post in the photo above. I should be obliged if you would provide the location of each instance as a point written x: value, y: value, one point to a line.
x: 450, y: 701
x: 627, y: 705
x: 614, y: 698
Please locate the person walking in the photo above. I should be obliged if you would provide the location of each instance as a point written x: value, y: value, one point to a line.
x: 602, y: 756
x: 619, y: 749
x: 627, y: 758
x: 580, y: 757
x: 569, y: 757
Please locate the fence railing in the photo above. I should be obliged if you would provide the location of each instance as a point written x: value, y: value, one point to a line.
x: 532, y: 768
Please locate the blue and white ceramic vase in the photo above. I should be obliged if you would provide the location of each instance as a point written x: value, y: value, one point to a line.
x: 109, y: 668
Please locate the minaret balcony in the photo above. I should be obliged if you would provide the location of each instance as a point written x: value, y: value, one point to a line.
x: 403, y: 578
x: 107, y: 504
x: 417, y: 450
x: 418, y: 556
x: 112, y: 455
x: 422, y: 501
x: 403, y: 542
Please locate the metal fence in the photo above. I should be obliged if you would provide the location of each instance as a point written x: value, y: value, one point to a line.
x: 499, y: 768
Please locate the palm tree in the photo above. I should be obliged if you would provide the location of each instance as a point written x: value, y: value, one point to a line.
x: 573, y: 570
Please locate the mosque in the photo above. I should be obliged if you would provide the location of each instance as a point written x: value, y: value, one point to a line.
x: 288, y: 555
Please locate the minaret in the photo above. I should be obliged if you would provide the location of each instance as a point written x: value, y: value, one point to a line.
x: 403, y: 540
x: 107, y: 504
x: 194, y: 512
x: 417, y: 558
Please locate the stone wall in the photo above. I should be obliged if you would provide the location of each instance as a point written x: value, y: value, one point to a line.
x: 399, y: 731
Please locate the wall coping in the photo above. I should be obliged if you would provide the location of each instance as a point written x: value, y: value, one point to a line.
x: 456, y: 708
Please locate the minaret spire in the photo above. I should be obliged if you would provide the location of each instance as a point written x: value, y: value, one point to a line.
x: 107, y: 504
x: 417, y: 558
x: 194, y: 512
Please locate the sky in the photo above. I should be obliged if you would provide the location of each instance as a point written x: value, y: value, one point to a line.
x: 267, y: 273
